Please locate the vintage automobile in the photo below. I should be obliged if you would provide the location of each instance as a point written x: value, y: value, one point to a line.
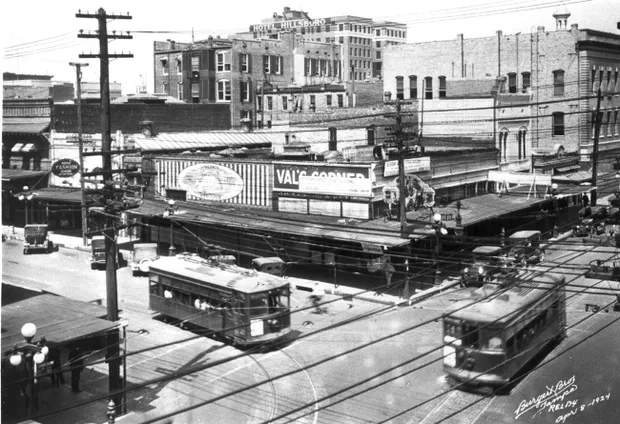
x: 487, y: 262
x: 36, y: 239
x: 524, y: 247
x: 588, y: 227
x: 98, y: 255
x: 142, y: 256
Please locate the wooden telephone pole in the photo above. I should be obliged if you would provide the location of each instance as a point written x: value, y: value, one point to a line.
x: 112, y: 354
x: 597, y: 133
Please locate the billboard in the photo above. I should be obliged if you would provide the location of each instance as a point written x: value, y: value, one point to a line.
x: 326, y: 179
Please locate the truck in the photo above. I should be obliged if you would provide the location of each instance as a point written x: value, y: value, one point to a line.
x: 98, y: 256
x: 36, y: 239
x: 142, y: 256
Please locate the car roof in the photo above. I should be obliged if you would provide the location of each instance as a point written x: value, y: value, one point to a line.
x: 487, y: 249
x: 525, y: 234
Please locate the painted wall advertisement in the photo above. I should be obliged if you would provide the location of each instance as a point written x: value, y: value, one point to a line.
x: 326, y: 179
x: 412, y: 165
x: 211, y: 182
x: 65, y: 168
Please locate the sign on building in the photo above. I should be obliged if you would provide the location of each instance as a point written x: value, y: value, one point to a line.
x: 412, y: 165
x: 65, y: 168
x: 326, y: 179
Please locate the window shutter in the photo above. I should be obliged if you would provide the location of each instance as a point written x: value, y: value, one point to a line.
x: 241, y: 62
x: 241, y: 91
x: 211, y: 90
x: 306, y: 60
x: 204, y: 89
x: 281, y: 59
x: 265, y: 62
x: 249, y: 62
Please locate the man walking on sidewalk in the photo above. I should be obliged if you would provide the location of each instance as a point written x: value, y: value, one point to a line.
x: 77, y: 365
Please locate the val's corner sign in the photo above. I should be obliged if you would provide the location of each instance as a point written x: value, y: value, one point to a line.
x: 211, y: 182
x: 65, y: 168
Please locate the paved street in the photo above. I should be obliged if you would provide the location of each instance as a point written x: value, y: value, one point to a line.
x: 365, y: 371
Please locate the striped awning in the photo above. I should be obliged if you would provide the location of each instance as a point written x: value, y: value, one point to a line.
x: 23, y: 148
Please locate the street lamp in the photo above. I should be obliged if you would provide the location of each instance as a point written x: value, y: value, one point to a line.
x: 458, y: 230
x: 34, y: 354
x: 26, y: 196
x: 170, y: 210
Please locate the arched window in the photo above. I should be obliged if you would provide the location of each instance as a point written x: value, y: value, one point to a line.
x: 558, y: 83
x: 413, y: 87
x: 503, y: 148
x: 521, y: 136
x: 428, y: 88
x: 400, y: 88
x: 558, y: 124
x: 442, y: 87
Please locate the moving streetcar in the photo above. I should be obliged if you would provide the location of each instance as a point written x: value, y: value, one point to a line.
x: 489, y: 338
x: 244, y: 306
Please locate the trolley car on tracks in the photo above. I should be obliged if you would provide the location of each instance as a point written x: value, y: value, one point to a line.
x: 491, y: 337
x: 243, y: 306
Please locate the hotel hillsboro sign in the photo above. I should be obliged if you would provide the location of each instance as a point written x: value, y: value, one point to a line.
x: 285, y: 25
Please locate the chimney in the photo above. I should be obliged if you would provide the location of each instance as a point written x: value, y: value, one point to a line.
x: 574, y: 27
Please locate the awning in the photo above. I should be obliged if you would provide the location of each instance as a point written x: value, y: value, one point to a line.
x: 24, y: 127
x: 194, y: 141
x: 59, y: 319
x: 568, y: 168
x: 572, y: 178
x: 68, y: 195
x: 23, y: 148
x: 18, y: 174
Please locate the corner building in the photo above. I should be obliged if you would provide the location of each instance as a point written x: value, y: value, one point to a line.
x: 560, y: 71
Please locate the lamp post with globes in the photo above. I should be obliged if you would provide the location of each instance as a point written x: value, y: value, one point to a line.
x: 26, y: 196
x: 31, y: 354
x: 170, y: 210
x: 440, y: 230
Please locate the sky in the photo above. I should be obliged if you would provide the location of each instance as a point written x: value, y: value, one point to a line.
x: 40, y: 37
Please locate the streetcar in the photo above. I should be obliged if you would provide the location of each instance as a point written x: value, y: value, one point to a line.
x: 243, y: 306
x: 490, y: 337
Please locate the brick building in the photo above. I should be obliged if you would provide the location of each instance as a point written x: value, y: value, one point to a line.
x: 362, y: 39
x: 552, y: 75
x: 257, y: 78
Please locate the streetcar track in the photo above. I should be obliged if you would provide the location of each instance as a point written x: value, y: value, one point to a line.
x: 274, y: 404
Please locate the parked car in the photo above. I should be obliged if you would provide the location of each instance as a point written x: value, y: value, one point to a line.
x: 98, y: 255
x: 588, y: 227
x: 487, y: 262
x: 524, y: 247
x: 142, y: 256
x: 36, y: 238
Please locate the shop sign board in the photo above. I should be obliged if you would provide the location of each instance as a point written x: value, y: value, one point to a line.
x: 327, y: 179
x: 211, y: 182
x: 65, y: 168
x: 290, y: 24
x: 412, y: 165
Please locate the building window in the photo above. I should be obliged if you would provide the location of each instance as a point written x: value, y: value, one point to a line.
x: 377, y: 32
x: 615, y: 128
x: 428, y: 88
x: 503, y: 148
x: 244, y: 94
x: 378, y: 55
x: 340, y: 27
x: 179, y: 62
x: 312, y: 102
x: 266, y: 64
x: 512, y: 82
x: 328, y: 100
x: 413, y: 87
x: 246, y: 114
x: 610, y: 85
x: 195, y: 93
x: 607, y: 130
x: 527, y: 83
x: 164, y: 66
x: 195, y: 65
x: 223, y: 91
x: 558, y: 123
x: 278, y: 63
x: 340, y: 100
x: 223, y: 61
x: 400, y: 88
x: 558, y: 83
x: 244, y: 59
x: 442, y: 87
x: 180, y: 90
x: 370, y: 135
x: 165, y: 88
x: 521, y: 135
x: 269, y: 103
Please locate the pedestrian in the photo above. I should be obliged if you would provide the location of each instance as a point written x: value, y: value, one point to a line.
x: 58, y: 377
x: 585, y: 200
x: 76, y: 360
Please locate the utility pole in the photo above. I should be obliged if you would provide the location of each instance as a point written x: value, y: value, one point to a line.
x: 112, y: 354
x: 78, y: 76
x: 597, y: 133
x: 400, y: 139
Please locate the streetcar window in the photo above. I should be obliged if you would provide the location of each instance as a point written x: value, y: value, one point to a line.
x: 495, y: 343
x: 258, y: 305
x: 470, y: 335
x: 154, y: 287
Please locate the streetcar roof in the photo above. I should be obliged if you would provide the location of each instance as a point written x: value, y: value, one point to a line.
x: 228, y: 276
x: 493, y: 304
x: 487, y: 249
x: 524, y: 234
